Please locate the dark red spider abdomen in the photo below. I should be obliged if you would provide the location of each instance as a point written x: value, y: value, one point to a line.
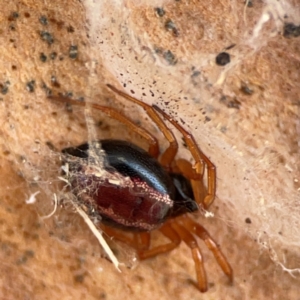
x: 141, y: 200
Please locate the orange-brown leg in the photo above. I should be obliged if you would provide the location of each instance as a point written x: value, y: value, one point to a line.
x: 119, y: 235
x: 169, y: 154
x: 171, y: 234
x: 199, y: 157
x: 141, y: 241
x: 153, y: 143
x: 200, y: 231
x: 186, y: 169
x: 191, y: 242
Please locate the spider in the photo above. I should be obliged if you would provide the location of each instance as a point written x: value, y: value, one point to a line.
x: 155, y: 192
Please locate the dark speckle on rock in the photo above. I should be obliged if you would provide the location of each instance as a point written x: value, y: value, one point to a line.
x: 222, y: 59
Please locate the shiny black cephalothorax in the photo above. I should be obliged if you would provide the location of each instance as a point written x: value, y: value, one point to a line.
x: 149, y: 196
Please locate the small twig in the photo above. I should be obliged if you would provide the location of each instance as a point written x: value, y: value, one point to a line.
x: 99, y: 236
x: 54, y: 210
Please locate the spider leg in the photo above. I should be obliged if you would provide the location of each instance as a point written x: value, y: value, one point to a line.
x: 199, y: 158
x: 167, y: 230
x: 169, y: 154
x: 200, y: 231
x: 191, y: 242
x: 153, y: 143
x: 176, y: 232
x: 141, y: 241
x: 119, y: 235
x: 185, y: 167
